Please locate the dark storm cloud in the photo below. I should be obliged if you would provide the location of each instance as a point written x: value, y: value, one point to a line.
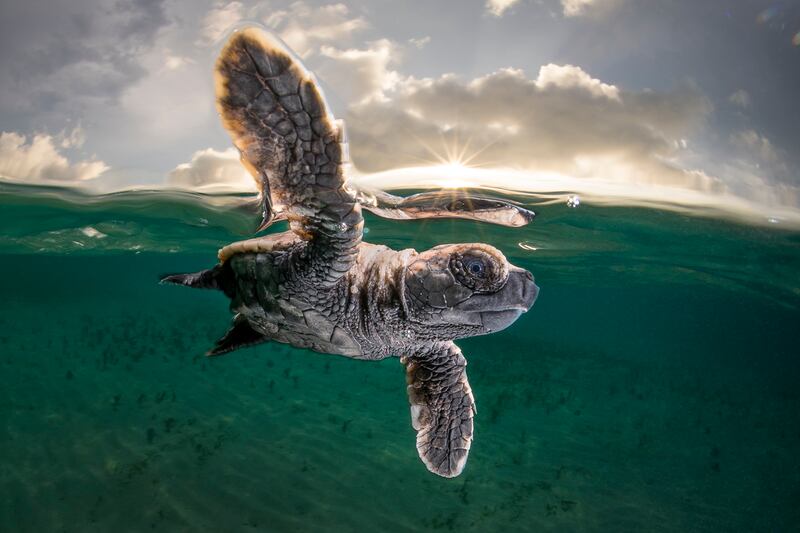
x: 57, y: 56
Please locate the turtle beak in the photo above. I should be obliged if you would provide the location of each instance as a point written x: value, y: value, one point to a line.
x: 520, y: 282
x: 530, y: 290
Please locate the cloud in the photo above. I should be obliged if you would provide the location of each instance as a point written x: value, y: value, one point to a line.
x: 301, y: 26
x: 73, y: 139
x: 570, y: 8
x: 574, y: 8
x: 740, y: 98
x: 757, y: 144
x: 144, y: 89
x: 758, y: 170
x: 572, y: 77
x: 39, y: 161
x: 174, y: 100
x: 61, y: 57
x: 174, y: 62
x: 762, y: 166
x: 212, y: 167
x: 305, y: 28
x: 498, y: 7
x: 564, y: 121
x: 420, y: 43
x: 219, y: 20
x: 361, y: 75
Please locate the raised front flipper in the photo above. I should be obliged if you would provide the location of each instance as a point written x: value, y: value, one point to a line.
x: 291, y: 145
x: 446, y: 204
x: 442, y: 408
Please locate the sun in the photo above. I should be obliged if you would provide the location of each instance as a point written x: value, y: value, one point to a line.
x: 452, y: 175
x: 452, y: 166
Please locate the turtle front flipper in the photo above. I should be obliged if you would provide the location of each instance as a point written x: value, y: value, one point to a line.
x: 442, y: 408
x: 290, y: 143
x: 446, y: 204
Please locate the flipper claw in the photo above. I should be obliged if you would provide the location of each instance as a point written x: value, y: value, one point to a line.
x: 265, y: 205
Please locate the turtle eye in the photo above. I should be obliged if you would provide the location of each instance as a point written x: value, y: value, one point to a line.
x: 478, y: 271
x: 476, y: 267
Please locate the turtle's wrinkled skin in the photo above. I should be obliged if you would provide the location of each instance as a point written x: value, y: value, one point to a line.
x: 319, y: 286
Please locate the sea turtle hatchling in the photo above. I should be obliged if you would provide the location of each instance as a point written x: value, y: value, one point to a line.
x: 319, y: 286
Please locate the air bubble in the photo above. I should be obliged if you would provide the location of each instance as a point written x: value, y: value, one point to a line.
x: 573, y: 201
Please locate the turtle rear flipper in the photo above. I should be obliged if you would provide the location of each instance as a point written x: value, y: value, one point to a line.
x: 241, y: 335
x: 219, y: 278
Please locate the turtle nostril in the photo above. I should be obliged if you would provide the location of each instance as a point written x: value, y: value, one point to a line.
x: 529, y: 275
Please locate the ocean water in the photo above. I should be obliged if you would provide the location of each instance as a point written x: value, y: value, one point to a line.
x: 652, y: 387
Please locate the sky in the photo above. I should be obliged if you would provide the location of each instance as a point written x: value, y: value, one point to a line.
x: 683, y: 101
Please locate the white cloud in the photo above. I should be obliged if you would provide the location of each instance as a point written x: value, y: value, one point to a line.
x: 562, y: 121
x: 39, y: 161
x: 420, y: 42
x: 762, y: 167
x: 360, y: 75
x: 572, y: 77
x: 175, y: 62
x: 575, y: 8
x: 756, y: 144
x: 740, y: 98
x: 72, y: 139
x: 169, y: 103
x: 305, y: 28
x: 212, y: 167
x: 219, y: 20
x: 498, y: 7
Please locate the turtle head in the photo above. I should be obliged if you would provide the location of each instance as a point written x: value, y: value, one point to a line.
x: 463, y: 290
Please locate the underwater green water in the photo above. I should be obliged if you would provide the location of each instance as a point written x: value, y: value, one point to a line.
x: 652, y: 387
